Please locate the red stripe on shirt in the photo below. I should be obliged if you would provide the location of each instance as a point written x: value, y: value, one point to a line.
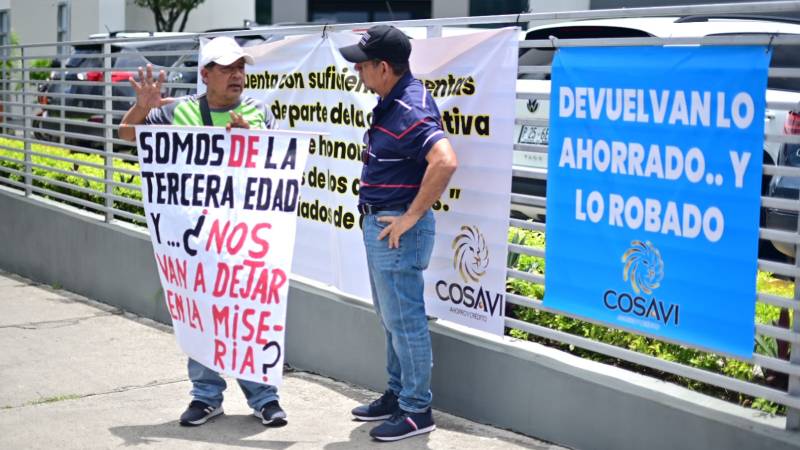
x: 363, y: 184
x: 400, y: 136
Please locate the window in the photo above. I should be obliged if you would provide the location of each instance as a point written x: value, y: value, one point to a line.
x: 367, y: 10
x: 5, y: 28
x: 5, y: 39
x: 264, y: 12
x: 495, y: 7
x: 62, y: 26
x: 483, y: 8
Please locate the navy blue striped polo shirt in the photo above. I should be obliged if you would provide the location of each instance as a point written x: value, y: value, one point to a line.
x: 405, y: 125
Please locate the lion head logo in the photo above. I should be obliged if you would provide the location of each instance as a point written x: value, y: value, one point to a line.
x: 471, y: 257
x: 643, y: 267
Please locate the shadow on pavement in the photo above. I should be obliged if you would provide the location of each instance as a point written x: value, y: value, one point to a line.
x: 223, y: 430
x: 359, y: 438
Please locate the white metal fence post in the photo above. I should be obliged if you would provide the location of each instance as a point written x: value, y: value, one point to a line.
x: 793, y: 414
x: 62, y: 100
x: 108, y: 132
x: 26, y: 112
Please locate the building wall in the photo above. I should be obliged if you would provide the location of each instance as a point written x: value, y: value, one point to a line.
x: 36, y: 20
x: 84, y: 18
x: 289, y: 11
x: 297, y: 10
x: 110, y: 15
x: 613, y: 4
x: 449, y: 8
x: 545, y: 6
x: 210, y: 14
x: 33, y: 20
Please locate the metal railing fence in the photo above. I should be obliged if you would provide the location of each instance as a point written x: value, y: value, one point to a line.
x: 63, y: 146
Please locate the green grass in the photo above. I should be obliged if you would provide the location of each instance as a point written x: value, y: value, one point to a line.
x: 54, y: 399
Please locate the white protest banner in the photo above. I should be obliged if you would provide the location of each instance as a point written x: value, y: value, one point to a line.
x: 309, y: 86
x: 473, y: 79
x: 221, y: 211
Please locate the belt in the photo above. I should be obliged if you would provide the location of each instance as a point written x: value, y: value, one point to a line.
x: 366, y: 208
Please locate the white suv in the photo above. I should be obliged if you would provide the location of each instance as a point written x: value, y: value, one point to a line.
x: 532, y: 135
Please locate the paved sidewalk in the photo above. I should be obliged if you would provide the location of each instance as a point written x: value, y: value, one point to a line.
x: 77, y: 374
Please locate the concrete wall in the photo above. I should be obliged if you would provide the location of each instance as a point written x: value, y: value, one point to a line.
x: 521, y: 386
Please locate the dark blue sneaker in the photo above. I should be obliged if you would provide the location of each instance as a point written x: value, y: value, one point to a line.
x: 272, y: 414
x: 380, y: 409
x: 198, y: 413
x: 404, y: 424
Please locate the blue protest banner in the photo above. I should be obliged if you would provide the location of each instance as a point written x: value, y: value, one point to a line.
x: 654, y: 175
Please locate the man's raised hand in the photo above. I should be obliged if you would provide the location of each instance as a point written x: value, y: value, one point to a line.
x: 148, y: 89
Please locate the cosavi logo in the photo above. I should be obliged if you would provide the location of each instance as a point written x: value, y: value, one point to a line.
x: 643, y: 268
x: 471, y: 257
x: 470, y: 261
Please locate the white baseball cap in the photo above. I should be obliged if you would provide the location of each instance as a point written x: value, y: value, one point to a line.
x: 223, y: 50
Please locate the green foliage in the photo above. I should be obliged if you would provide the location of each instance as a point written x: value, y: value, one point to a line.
x: 40, y: 64
x: 71, y: 174
x: 669, y: 352
x: 526, y: 263
x: 768, y: 406
x: 167, y: 12
x: 10, y: 63
x: 514, y: 237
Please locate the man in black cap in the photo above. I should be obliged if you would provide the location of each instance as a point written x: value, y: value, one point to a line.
x: 408, y: 163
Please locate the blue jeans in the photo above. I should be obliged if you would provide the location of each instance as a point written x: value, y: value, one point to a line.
x: 395, y: 277
x: 207, y: 386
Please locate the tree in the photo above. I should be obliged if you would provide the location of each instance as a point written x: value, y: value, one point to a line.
x: 167, y: 12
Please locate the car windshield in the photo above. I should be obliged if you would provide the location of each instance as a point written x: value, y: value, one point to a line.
x: 543, y: 56
x: 79, y: 58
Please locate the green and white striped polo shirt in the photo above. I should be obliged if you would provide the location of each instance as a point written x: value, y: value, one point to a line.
x: 185, y: 111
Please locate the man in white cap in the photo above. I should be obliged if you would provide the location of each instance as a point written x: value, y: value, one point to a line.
x: 222, y: 63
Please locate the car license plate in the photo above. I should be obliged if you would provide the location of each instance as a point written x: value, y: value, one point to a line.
x: 534, y: 135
